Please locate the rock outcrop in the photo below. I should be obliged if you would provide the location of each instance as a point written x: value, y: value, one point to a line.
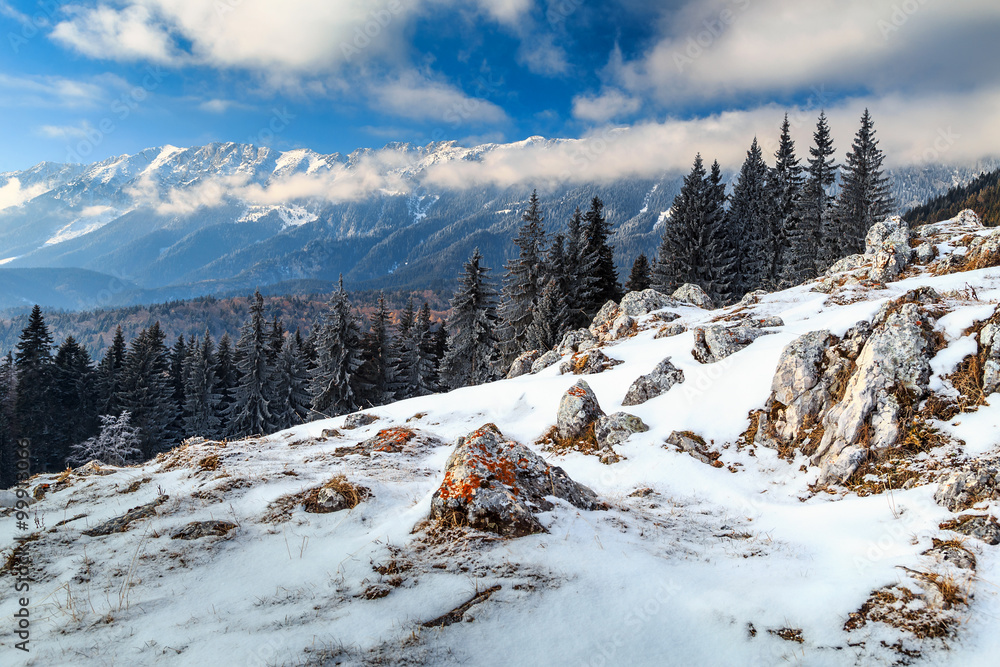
x: 522, y: 365
x: 715, y: 343
x: 548, y: 359
x: 578, y: 409
x: 498, y: 485
x: 974, y: 482
x: 637, y: 304
x: 578, y: 340
x: 611, y: 430
x: 694, y: 295
x: 653, y: 384
x: 888, y: 244
x: 590, y: 362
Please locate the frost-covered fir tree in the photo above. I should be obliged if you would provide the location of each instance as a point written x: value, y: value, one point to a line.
x: 580, y: 269
x: 639, y: 278
x: 522, y: 283
x: 117, y: 444
x: 545, y: 330
x: 336, y: 385
x: 109, y: 375
x: 472, y: 357
x: 202, y: 400
x: 8, y: 391
x: 402, y: 341
x: 226, y: 373
x: 291, y: 386
x: 250, y: 412
x: 73, y: 393
x: 34, y: 416
x: 600, y: 257
x: 785, y: 183
x: 750, y: 216
x: 864, y: 193
x: 814, y: 246
x: 146, y: 391
x: 423, y: 380
x: 378, y: 368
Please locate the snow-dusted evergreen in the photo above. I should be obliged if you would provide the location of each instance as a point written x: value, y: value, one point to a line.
x: 864, y: 189
x: 336, y: 386
x: 251, y: 412
x: 816, y: 241
x: 203, y: 402
x: 522, y: 282
x: 117, y: 444
x: 472, y: 356
x: 290, y: 405
x: 785, y: 183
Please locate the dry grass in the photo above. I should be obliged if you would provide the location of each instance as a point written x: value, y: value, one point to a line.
x: 352, y: 494
x: 899, y: 607
x: 209, y: 463
x: 788, y: 634
x: 968, y: 380
x: 585, y: 444
x: 19, y: 553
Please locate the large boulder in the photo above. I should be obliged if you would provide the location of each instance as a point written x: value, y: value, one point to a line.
x: 637, y: 304
x: 653, y: 384
x: 615, y: 429
x: 715, y: 343
x: 495, y: 484
x: 849, y: 263
x: 893, y: 371
x: 888, y: 243
x: 522, y: 365
x: 359, y: 420
x: 974, y: 482
x: 548, y: 359
x: 578, y: 340
x: 694, y: 295
x: 608, y: 313
x: 989, y: 345
x: 578, y: 409
x: 590, y: 362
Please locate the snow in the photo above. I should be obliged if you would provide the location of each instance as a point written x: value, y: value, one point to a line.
x: 676, y: 577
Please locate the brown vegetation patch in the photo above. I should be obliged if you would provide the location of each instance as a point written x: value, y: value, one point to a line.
x: 19, y: 555
x: 585, y: 444
x: 353, y: 494
x: 788, y: 634
x: 898, y: 607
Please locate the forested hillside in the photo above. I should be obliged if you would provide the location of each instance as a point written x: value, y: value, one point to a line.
x: 982, y: 195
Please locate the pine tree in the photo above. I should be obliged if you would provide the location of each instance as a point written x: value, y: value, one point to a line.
x: 750, y: 214
x: 580, y: 269
x: 523, y: 280
x: 250, y: 412
x: 73, y: 396
x: 275, y: 339
x: 600, y: 256
x: 814, y: 245
x: 146, y: 391
x: 291, y: 386
x: 8, y: 444
x: 786, y: 182
x: 639, y: 278
x: 118, y: 443
x: 336, y: 386
x: 378, y: 367
x: 227, y: 376
x: 203, y: 402
x: 472, y: 356
x: 108, y: 386
x: 424, y: 376
x: 724, y: 243
x: 864, y: 195
x: 545, y: 332
x: 178, y: 360
x: 34, y: 416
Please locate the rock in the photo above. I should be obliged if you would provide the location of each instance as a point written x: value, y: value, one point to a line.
x: 624, y: 326
x: 849, y: 263
x: 893, y: 371
x: 715, y: 343
x: 691, y: 443
x: 579, y: 340
x: 800, y: 389
x: 578, y: 409
x: 888, y: 243
x: 671, y: 330
x: 198, y: 529
x: 637, y: 304
x: 590, y: 362
x: 694, y: 295
x: 327, y: 500
x: 359, y: 420
x: 548, y: 359
x: 922, y: 296
x: 962, y: 488
x: 655, y: 383
x: 958, y: 556
x: 981, y: 526
x: 924, y: 253
x: 615, y: 429
x: 121, y: 524
x: 602, y: 321
x: 752, y: 298
x: 498, y: 485
x: 764, y: 322
x: 522, y: 365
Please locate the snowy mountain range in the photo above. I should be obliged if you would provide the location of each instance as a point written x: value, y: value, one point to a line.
x: 695, y: 500
x: 173, y: 222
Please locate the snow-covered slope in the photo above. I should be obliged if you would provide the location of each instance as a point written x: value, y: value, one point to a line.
x: 743, y: 562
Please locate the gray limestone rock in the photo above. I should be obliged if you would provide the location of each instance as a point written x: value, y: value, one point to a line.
x: 653, y: 384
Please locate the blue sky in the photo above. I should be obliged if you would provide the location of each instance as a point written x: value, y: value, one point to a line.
x: 82, y: 80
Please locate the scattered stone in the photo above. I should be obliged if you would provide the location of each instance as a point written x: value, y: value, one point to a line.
x: 497, y: 485
x: 949, y: 552
x: 578, y: 340
x: 752, y: 298
x: 671, y: 330
x: 548, y: 359
x: 624, y: 326
x: 975, y: 482
x: 981, y: 526
x: 615, y: 429
x: 95, y: 467
x: 325, y: 433
x: 602, y: 321
x: 694, y: 445
x: 121, y: 524
x: 637, y: 304
x: 198, y: 529
x: 715, y: 343
x: 770, y: 321
x: 578, y: 409
x: 694, y: 295
x: 590, y: 362
x: 924, y: 253
x: 387, y: 441
x: 644, y: 492
x: 658, y: 382
x: 336, y: 495
x: 522, y: 365
x: 888, y: 243
x: 359, y: 420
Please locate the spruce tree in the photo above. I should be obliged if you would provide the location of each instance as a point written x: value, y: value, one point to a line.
x: 378, y: 367
x: 203, y: 402
x: 750, y: 215
x: 523, y: 280
x: 421, y: 357
x: 118, y: 443
x: 250, y: 412
x: 34, y: 416
x: 275, y: 339
x: 545, y: 332
x: 336, y: 386
x: 73, y: 395
x: 291, y: 386
x: 472, y: 357
x: 109, y: 373
x: 600, y: 257
x: 8, y: 443
x: 227, y: 376
x: 146, y: 391
x: 724, y: 243
x: 814, y: 245
x: 639, y: 278
x: 785, y: 184
x: 580, y: 269
x: 178, y: 360
x: 864, y: 194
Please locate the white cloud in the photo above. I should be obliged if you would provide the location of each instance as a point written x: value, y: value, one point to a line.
x: 12, y: 194
x: 54, y: 91
x: 414, y: 96
x: 221, y: 106
x: 79, y: 131
x: 609, y: 105
x: 131, y: 33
